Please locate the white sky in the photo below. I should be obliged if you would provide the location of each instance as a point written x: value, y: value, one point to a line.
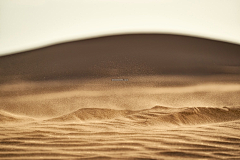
x: 29, y: 24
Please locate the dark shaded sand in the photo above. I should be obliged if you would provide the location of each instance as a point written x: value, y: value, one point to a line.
x: 123, y: 55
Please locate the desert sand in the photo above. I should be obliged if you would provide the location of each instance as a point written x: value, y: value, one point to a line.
x: 99, y: 119
x: 180, y: 101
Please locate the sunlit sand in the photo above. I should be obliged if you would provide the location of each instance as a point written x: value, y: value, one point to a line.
x: 73, y: 119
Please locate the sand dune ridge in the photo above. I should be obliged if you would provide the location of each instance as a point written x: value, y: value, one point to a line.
x: 156, y: 116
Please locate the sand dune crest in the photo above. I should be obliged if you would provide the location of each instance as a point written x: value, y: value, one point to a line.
x: 157, y: 115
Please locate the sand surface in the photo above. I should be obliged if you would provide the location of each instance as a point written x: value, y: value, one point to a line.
x: 160, y: 132
x: 180, y: 99
x: 169, y: 117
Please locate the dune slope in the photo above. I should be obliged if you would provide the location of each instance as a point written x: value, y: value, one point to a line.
x: 6, y: 117
x: 157, y: 115
x: 136, y: 54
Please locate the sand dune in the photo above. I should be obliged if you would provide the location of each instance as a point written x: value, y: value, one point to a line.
x: 125, y: 128
x: 157, y: 115
x: 78, y: 111
x: 6, y: 117
x: 187, y: 116
x: 54, y: 98
x: 123, y: 55
x: 85, y: 114
x: 156, y: 133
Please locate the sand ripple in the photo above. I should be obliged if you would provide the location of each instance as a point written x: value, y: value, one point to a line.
x: 156, y: 133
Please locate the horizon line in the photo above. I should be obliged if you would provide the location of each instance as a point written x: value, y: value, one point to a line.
x: 52, y: 42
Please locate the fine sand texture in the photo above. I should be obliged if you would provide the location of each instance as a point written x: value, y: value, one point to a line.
x: 122, y: 97
x: 155, y: 133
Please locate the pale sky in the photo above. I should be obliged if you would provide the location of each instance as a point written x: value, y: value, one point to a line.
x: 30, y: 24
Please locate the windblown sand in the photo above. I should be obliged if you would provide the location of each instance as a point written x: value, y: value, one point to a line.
x: 151, y: 117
